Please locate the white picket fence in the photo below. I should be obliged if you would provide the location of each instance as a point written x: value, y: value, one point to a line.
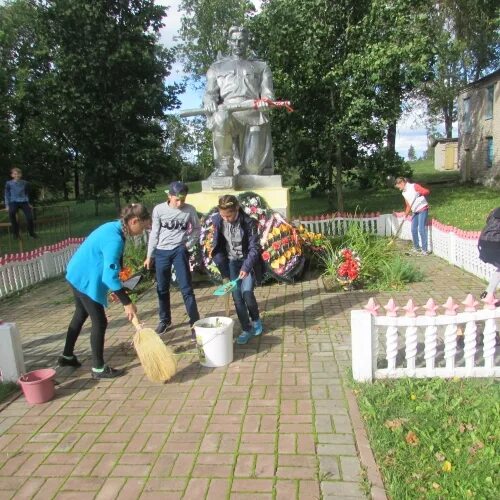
x: 18, y: 271
x: 454, y: 245
x: 427, y: 345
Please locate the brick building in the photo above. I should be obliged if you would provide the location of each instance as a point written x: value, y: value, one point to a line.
x: 479, y: 130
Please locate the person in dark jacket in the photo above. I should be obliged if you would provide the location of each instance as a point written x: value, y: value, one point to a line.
x: 236, y: 252
x: 489, y: 250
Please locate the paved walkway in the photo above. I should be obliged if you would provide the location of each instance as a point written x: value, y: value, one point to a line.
x: 276, y: 423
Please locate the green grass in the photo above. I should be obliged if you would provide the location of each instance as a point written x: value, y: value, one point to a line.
x: 462, y: 206
x: 6, y: 389
x: 435, y: 438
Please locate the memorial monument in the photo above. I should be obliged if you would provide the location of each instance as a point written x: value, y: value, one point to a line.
x: 238, y: 95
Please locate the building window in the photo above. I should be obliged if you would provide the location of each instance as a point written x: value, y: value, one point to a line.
x: 467, y: 120
x: 489, y: 102
x: 489, y: 152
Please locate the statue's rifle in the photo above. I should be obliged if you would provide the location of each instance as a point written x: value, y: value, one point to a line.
x: 242, y: 106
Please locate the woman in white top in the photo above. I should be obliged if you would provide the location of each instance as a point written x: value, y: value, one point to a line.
x: 414, y: 195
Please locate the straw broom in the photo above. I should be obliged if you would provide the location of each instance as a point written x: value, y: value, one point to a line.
x: 157, y: 360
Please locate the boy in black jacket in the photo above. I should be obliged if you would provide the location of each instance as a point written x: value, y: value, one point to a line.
x: 489, y: 250
x: 236, y: 252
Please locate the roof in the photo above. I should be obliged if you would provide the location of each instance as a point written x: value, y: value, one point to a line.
x: 441, y: 140
x: 485, y: 79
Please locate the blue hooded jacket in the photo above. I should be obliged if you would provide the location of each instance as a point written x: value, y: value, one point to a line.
x: 94, y: 268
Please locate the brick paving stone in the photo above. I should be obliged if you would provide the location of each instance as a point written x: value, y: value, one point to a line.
x: 129, y: 438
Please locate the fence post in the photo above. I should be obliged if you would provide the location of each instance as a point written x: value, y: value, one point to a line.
x: 49, y: 265
x: 11, y: 353
x: 362, y: 342
x: 452, y: 248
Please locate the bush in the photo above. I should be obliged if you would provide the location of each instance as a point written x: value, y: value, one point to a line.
x: 381, y: 267
x: 374, y: 170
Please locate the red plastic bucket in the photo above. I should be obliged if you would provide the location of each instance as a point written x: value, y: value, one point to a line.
x: 38, y: 386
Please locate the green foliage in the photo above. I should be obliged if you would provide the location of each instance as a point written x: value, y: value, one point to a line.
x: 6, y: 389
x: 84, y: 95
x: 203, y: 32
x: 381, y: 267
x: 434, y: 438
x: 373, y: 170
x: 466, y: 37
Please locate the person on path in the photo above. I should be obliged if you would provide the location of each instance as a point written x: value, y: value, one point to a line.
x: 236, y: 252
x: 489, y: 251
x: 175, y: 227
x: 17, y: 196
x: 92, y: 272
x: 416, y: 203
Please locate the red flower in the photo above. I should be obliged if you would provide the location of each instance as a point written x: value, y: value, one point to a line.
x: 253, y: 209
x: 277, y: 245
x: 266, y: 255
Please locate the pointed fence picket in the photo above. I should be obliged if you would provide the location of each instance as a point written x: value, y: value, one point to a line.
x: 18, y: 271
x: 404, y: 356
x: 456, y: 246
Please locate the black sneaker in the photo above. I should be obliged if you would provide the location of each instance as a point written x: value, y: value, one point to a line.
x: 62, y: 361
x: 483, y: 295
x: 108, y: 372
x: 193, y: 336
x: 162, y: 327
x: 34, y: 236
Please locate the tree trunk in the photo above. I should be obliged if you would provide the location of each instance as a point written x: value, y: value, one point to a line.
x: 116, y: 197
x: 391, y: 137
x: 76, y: 182
x: 338, y: 175
x: 448, y: 120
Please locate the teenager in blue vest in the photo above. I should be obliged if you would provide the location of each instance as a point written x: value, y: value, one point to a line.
x: 92, y: 272
x: 236, y: 252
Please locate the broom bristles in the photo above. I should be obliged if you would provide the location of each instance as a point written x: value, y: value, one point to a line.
x: 157, y: 359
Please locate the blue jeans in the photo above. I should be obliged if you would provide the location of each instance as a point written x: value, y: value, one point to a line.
x: 244, y: 299
x: 179, y: 258
x: 419, y: 227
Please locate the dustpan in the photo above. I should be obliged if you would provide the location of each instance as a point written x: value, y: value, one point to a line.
x: 132, y: 282
x: 226, y: 288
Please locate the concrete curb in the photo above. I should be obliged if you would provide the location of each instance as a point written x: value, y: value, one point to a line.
x: 364, y: 449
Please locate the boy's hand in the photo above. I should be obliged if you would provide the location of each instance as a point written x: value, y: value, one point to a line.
x: 148, y: 262
x: 243, y: 275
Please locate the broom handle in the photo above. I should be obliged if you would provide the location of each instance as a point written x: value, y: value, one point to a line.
x: 136, y: 322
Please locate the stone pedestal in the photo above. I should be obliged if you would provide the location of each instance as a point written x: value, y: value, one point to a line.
x: 278, y: 198
x: 241, y: 182
x: 267, y: 186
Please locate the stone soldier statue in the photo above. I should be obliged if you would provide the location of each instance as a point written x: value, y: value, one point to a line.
x: 241, y: 139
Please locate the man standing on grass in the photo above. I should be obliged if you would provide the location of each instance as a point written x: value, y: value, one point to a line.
x: 17, y: 197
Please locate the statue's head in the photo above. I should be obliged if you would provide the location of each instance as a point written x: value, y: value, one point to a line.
x: 238, y: 40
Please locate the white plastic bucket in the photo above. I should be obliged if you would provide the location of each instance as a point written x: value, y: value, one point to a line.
x: 214, y: 339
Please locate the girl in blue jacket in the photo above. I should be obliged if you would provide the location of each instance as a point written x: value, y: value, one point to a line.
x: 92, y: 272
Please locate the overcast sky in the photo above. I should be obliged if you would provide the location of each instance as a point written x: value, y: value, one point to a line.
x: 409, y: 131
